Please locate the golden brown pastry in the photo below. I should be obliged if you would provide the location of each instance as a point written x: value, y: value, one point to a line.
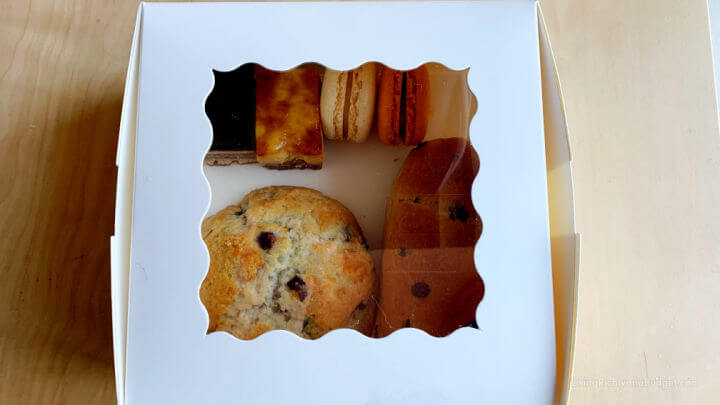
x: 287, y: 118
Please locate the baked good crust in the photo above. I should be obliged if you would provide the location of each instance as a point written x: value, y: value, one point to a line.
x: 428, y: 278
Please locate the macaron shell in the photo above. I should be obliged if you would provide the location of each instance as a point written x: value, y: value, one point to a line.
x: 417, y: 104
x: 362, y: 102
x: 332, y: 99
x: 388, y: 106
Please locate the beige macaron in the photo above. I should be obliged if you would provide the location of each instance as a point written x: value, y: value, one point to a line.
x: 347, y: 103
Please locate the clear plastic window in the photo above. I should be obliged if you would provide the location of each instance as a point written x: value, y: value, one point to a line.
x: 341, y: 199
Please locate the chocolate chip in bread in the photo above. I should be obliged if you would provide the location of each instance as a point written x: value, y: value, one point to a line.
x: 428, y: 278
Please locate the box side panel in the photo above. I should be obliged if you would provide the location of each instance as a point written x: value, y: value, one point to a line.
x: 562, y: 222
x: 120, y: 242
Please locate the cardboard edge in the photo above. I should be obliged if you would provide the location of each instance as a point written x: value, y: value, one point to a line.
x: 568, y: 240
x: 553, y: 60
x: 120, y: 241
x: 713, y: 13
x: 565, y: 397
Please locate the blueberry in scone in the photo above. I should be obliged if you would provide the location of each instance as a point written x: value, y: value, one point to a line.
x: 287, y: 258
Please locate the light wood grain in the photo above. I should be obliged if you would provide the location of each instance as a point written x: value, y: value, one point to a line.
x: 639, y: 97
x: 62, y: 66
x: 640, y: 105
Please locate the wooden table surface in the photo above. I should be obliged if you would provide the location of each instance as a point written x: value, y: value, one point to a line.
x: 640, y: 106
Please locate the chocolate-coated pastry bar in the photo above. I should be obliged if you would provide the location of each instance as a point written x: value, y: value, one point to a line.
x: 288, y: 132
x: 230, y: 106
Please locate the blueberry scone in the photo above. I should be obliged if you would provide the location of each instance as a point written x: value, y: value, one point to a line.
x: 287, y: 258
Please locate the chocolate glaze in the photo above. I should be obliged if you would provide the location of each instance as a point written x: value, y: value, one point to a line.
x: 230, y: 106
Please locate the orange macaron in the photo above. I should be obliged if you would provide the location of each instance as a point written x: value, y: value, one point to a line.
x: 403, y: 106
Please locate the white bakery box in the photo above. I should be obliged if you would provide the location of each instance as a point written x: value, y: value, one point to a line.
x: 522, y: 350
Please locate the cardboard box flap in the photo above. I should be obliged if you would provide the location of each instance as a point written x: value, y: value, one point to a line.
x: 120, y: 242
x: 564, y: 239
